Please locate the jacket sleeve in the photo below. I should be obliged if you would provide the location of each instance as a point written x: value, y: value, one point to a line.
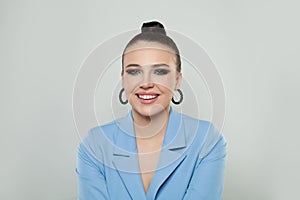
x: 208, y: 178
x: 90, y: 176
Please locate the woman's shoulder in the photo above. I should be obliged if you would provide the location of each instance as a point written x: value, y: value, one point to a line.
x: 202, y: 132
x: 100, y: 128
x: 99, y: 138
x: 108, y: 129
x: 199, y: 124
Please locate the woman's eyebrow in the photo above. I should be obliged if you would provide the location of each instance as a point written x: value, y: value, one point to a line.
x: 160, y: 65
x: 133, y: 65
x: 152, y: 65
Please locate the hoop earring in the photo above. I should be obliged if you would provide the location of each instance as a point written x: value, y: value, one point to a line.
x: 181, y: 98
x: 120, y: 97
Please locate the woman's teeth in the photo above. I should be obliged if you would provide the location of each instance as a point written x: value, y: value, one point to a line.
x: 146, y: 97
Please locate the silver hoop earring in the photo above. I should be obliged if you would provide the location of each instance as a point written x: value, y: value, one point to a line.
x: 181, y: 98
x: 120, y: 97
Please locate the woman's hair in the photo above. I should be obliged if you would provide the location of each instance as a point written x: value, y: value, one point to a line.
x: 155, y: 32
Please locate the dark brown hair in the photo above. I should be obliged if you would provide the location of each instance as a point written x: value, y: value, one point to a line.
x: 155, y: 32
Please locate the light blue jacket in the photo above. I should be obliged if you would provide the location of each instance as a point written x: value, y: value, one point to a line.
x: 191, y: 164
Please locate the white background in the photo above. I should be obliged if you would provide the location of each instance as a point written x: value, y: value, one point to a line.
x: 254, y: 44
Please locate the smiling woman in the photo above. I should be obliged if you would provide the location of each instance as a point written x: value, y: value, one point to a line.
x: 154, y: 152
x: 149, y: 72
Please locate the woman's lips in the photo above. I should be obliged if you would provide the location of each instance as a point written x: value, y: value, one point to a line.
x: 147, y: 98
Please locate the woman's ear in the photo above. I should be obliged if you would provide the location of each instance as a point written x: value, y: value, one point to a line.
x: 178, y: 80
x: 122, y: 76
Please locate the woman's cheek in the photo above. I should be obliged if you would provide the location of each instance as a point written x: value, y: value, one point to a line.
x: 130, y: 85
x: 167, y: 84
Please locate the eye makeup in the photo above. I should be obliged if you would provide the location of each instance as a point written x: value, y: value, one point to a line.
x: 133, y: 71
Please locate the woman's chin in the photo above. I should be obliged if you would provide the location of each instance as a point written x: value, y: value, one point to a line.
x: 150, y: 111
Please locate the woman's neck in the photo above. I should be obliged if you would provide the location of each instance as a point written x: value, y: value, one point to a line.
x: 151, y: 127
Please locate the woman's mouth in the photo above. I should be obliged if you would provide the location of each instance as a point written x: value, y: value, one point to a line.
x: 147, y: 98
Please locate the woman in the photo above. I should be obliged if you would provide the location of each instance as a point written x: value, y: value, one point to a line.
x: 154, y: 152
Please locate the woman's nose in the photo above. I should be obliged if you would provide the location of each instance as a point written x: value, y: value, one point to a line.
x: 147, y: 81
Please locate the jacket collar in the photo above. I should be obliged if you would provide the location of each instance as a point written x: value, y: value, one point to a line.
x: 175, y: 137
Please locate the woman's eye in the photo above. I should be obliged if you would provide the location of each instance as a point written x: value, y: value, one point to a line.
x: 161, y: 71
x: 133, y: 71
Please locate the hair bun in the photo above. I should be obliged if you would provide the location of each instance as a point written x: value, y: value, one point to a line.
x: 153, y: 27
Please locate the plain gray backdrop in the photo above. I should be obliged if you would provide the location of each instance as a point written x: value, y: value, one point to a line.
x: 254, y: 44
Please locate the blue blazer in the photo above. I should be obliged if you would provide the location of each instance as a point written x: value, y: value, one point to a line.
x: 191, y: 163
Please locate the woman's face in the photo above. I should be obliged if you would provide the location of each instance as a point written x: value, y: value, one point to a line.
x: 149, y: 77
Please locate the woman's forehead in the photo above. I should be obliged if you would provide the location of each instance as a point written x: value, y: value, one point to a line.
x: 149, y: 57
x: 141, y: 46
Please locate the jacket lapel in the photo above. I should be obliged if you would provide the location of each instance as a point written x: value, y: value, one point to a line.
x: 172, y: 154
x: 125, y: 158
x: 130, y: 179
